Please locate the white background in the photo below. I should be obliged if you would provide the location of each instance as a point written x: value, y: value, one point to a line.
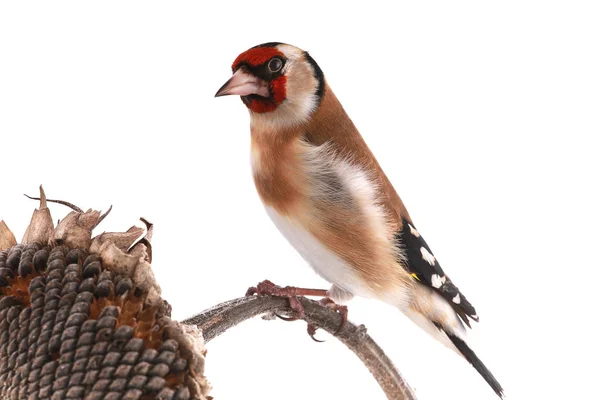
x: 485, y: 116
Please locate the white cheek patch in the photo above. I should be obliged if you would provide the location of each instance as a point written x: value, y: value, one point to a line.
x: 289, y: 114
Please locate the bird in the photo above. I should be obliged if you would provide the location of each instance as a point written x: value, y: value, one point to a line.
x: 327, y: 194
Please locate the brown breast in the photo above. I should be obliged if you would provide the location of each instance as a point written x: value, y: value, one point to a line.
x: 277, y: 169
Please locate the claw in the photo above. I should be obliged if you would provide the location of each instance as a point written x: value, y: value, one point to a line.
x: 286, y: 318
x: 342, y: 310
x: 312, y: 330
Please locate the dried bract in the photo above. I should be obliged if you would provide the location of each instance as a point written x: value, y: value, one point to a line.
x: 41, y: 227
x: 7, y: 239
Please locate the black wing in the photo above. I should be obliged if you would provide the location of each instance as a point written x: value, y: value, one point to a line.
x: 423, y: 266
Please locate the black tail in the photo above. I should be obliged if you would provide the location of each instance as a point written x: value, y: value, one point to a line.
x: 477, y: 364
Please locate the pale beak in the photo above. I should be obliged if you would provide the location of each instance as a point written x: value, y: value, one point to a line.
x: 243, y: 83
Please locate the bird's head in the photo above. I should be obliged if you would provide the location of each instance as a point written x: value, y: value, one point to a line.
x: 278, y: 83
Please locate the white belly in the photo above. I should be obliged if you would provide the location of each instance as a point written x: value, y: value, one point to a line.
x: 324, y: 261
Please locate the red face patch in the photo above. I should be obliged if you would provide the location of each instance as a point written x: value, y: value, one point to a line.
x: 277, y: 86
x: 256, y: 56
x: 263, y: 105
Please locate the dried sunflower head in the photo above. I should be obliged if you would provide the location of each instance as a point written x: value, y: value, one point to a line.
x: 82, y: 317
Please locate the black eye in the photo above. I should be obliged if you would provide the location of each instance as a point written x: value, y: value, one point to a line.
x: 275, y: 64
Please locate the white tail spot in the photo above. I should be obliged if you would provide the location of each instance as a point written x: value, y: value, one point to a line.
x: 456, y: 299
x: 427, y: 256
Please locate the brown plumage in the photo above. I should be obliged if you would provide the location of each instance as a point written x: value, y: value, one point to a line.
x: 330, y: 123
x: 282, y: 183
x: 327, y: 194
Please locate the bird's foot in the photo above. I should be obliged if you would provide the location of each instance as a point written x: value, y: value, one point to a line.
x: 342, y: 310
x: 269, y: 288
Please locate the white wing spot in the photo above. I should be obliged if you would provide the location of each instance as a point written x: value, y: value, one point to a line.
x: 414, y: 231
x: 437, y: 281
x: 456, y: 298
x: 427, y: 256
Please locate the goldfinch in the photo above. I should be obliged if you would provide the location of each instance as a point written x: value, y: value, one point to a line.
x: 327, y: 194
